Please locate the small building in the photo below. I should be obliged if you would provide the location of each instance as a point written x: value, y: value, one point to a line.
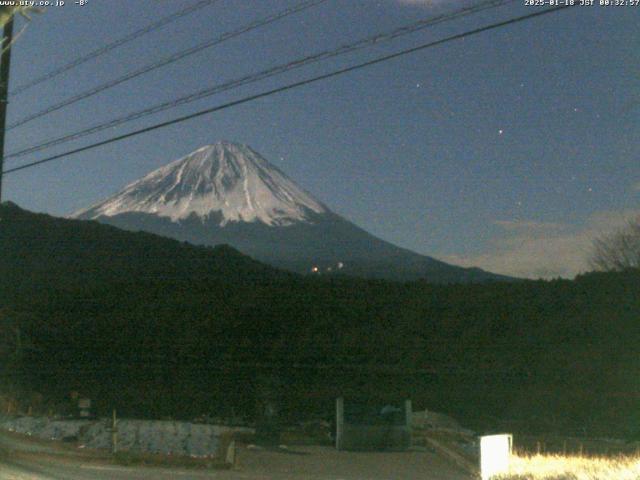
x: 373, y: 425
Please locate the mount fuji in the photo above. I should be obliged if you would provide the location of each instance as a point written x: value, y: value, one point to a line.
x: 227, y: 193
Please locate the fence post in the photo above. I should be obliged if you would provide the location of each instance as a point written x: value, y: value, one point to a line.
x: 339, y: 422
x: 408, y: 419
x: 114, y: 433
x: 230, y: 457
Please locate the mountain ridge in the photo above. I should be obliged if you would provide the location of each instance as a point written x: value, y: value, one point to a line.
x: 223, y: 177
x: 228, y: 193
x: 68, y: 246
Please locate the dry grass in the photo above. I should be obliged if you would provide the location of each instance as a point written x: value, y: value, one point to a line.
x: 567, y: 467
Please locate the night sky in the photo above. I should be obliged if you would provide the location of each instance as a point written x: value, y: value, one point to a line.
x: 509, y: 150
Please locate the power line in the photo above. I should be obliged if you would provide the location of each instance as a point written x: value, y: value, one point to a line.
x: 290, y: 86
x: 166, y: 61
x: 258, y: 76
x: 113, y: 45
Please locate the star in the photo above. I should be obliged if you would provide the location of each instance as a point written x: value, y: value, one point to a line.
x: 417, y: 85
x: 500, y: 132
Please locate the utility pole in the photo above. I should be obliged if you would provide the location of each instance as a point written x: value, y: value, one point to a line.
x: 5, y: 63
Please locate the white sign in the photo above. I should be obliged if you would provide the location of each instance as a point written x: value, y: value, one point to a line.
x: 495, y: 451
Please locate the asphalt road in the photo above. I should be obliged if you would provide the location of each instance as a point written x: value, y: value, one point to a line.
x: 41, y: 467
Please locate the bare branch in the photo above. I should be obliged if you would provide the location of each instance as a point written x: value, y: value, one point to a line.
x: 618, y: 251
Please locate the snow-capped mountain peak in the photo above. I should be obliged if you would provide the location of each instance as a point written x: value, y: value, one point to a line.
x: 225, y: 179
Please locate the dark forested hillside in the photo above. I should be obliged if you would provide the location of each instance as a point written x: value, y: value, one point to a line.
x: 158, y: 328
x: 57, y: 249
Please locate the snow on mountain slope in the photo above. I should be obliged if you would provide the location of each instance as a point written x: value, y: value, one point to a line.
x: 228, y: 194
x: 225, y: 179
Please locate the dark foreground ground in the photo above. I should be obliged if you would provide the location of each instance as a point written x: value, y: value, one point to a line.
x: 23, y: 459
